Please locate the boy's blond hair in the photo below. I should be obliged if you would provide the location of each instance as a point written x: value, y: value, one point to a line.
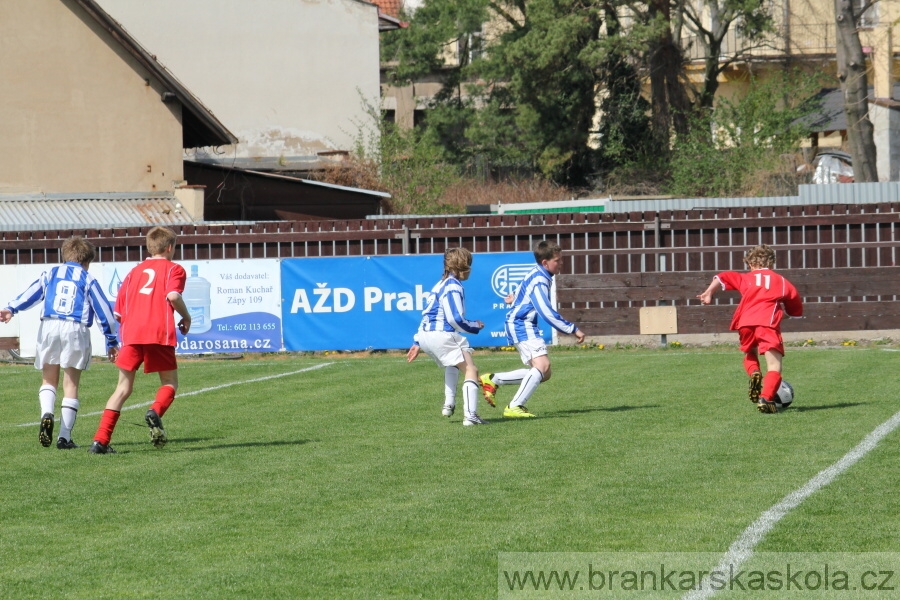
x: 77, y: 249
x: 546, y: 250
x: 457, y: 262
x: 158, y: 239
x: 760, y: 257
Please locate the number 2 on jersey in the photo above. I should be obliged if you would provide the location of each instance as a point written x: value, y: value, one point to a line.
x: 151, y: 275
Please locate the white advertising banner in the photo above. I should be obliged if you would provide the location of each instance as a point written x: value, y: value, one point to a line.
x: 235, y: 305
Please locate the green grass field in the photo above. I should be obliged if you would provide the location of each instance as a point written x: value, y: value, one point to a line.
x: 345, y: 481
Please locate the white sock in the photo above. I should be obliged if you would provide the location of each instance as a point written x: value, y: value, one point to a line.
x: 529, y: 384
x: 451, y: 378
x: 47, y: 396
x: 67, y: 418
x: 470, y: 397
x: 510, y: 377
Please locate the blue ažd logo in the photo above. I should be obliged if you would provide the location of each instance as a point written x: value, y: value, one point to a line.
x: 507, y: 278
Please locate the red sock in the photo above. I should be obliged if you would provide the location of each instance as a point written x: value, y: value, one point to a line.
x: 770, y: 385
x: 165, y: 396
x: 751, y: 363
x: 107, y: 424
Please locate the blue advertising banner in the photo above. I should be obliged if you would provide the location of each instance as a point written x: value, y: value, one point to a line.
x: 376, y: 302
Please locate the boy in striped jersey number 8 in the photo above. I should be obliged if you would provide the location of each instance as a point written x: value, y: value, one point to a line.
x: 71, y: 300
x: 530, y: 300
x: 440, y: 335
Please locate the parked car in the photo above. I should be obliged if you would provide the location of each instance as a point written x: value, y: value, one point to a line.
x: 831, y: 166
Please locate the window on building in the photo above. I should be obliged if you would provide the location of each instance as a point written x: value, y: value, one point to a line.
x: 471, y: 47
x: 476, y: 46
x: 870, y: 17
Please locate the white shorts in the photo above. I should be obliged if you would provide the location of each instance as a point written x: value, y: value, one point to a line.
x: 63, y: 343
x: 530, y: 349
x: 444, y: 347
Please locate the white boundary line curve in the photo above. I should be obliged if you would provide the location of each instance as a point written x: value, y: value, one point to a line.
x: 201, y: 391
x: 742, y: 548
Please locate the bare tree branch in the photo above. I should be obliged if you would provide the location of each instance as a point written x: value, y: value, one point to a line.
x: 506, y: 16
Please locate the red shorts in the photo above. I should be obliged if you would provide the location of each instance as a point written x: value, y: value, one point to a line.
x: 155, y: 357
x: 761, y: 338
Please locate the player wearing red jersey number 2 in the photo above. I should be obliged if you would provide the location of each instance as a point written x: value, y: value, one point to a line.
x: 765, y: 297
x: 144, y: 307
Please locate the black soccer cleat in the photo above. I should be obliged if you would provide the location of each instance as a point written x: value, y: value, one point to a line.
x: 64, y: 444
x: 98, y: 448
x: 756, y: 382
x: 766, y: 406
x: 45, y: 435
x: 157, y: 433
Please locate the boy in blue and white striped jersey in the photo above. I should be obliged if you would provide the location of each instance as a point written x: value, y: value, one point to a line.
x: 530, y: 300
x: 440, y: 335
x: 71, y: 298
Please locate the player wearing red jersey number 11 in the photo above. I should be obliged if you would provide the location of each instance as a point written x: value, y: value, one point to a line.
x: 765, y: 297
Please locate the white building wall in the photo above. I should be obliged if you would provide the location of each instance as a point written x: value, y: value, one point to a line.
x: 288, y: 77
x: 886, y: 123
x: 76, y: 109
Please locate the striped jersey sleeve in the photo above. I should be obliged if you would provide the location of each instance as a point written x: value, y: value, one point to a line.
x: 33, y: 294
x: 103, y: 309
x: 69, y: 293
x: 446, y: 310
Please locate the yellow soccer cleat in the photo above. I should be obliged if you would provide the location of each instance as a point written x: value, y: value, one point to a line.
x: 488, y: 389
x: 517, y: 412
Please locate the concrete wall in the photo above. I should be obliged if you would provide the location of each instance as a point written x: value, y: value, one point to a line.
x: 76, y: 113
x: 288, y: 77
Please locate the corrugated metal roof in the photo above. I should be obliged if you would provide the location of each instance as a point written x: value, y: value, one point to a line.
x: 850, y: 193
x: 623, y: 206
x: 94, y: 211
x: 837, y: 193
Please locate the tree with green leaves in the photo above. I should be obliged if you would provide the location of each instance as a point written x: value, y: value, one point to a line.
x: 740, y: 139
x: 534, y: 88
x: 558, y: 87
x: 625, y: 131
x: 665, y: 64
x: 436, y: 29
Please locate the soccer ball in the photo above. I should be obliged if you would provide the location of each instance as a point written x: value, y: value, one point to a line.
x: 785, y: 395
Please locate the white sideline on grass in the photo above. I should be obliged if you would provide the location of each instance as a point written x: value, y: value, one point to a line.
x: 742, y: 549
x: 203, y: 391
